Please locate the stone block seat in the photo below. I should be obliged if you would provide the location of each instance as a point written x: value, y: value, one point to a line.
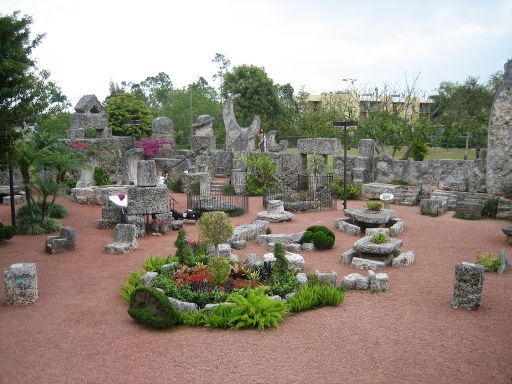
x: 275, y: 212
x: 66, y: 241
x: 20, y: 281
x: 124, y: 239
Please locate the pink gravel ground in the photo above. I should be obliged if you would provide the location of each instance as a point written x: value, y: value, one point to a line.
x: 78, y: 331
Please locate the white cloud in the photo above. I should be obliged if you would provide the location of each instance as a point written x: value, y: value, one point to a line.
x: 315, y: 44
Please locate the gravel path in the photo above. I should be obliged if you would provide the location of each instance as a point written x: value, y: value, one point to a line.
x: 79, y: 332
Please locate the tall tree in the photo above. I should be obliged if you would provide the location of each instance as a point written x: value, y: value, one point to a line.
x: 223, y: 64
x: 464, y: 108
x: 258, y: 96
x: 24, y: 90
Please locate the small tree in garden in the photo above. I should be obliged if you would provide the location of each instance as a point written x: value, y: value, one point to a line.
x: 183, y: 250
x: 216, y: 228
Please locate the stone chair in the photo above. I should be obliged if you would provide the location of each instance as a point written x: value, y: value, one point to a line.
x: 66, y: 241
x: 275, y: 212
x: 124, y: 239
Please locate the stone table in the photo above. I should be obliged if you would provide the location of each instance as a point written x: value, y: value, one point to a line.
x: 369, y: 217
x: 382, y: 252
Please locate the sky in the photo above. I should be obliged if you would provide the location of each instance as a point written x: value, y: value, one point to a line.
x: 315, y: 44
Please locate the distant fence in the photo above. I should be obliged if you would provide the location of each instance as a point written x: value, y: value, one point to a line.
x: 457, y: 141
x: 216, y: 201
x: 309, y: 193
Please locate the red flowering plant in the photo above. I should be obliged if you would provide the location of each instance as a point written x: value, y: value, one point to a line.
x: 152, y: 146
x: 79, y: 146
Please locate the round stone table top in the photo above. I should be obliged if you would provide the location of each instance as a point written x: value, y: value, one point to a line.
x: 367, y: 246
x: 507, y: 230
x: 365, y: 215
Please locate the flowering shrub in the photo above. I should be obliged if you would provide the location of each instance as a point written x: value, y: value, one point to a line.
x: 152, y: 146
x: 79, y: 146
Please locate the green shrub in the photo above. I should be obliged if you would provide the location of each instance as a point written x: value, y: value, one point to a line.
x: 268, y: 231
x: 186, y: 293
x: 132, y: 282
x: 69, y: 183
x: 152, y: 308
x: 220, y: 269
x: 320, y: 235
x: 490, y: 208
x: 261, y: 171
x: 101, y: 176
x: 489, y: 261
x: 284, y: 284
x: 353, y: 190
x: 398, y: 182
x: 235, y: 212
x: 380, y: 238
x: 228, y: 189
x: 253, y: 309
x: 89, y: 133
x: 466, y: 216
x: 374, y: 205
x: 57, y: 211
x: 322, y: 241
x: 153, y: 263
x: 6, y: 232
x: 313, y: 296
x: 306, y: 237
x: 418, y: 151
x: 176, y: 186
x: 280, y: 266
x: 36, y: 226
x: 195, y: 188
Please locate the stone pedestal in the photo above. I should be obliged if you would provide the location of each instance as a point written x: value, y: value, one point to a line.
x: 162, y: 128
x: 468, y: 286
x: 21, y: 283
x: 146, y: 173
x: 275, y: 212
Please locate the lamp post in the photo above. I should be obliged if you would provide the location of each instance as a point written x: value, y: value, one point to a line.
x: 345, y: 124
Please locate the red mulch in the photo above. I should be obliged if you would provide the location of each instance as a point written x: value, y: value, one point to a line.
x: 79, y: 330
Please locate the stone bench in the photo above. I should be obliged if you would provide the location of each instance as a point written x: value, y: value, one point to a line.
x: 124, y: 239
x: 66, y: 241
x: 21, y: 283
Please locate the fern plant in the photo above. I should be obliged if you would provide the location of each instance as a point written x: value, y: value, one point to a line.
x: 131, y: 284
x: 153, y: 263
x: 313, y: 296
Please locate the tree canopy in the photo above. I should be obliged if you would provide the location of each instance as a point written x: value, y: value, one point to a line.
x: 460, y: 109
x: 123, y: 110
x: 25, y: 91
x: 258, y: 96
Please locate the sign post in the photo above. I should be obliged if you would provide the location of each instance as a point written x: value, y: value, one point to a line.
x: 345, y: 124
